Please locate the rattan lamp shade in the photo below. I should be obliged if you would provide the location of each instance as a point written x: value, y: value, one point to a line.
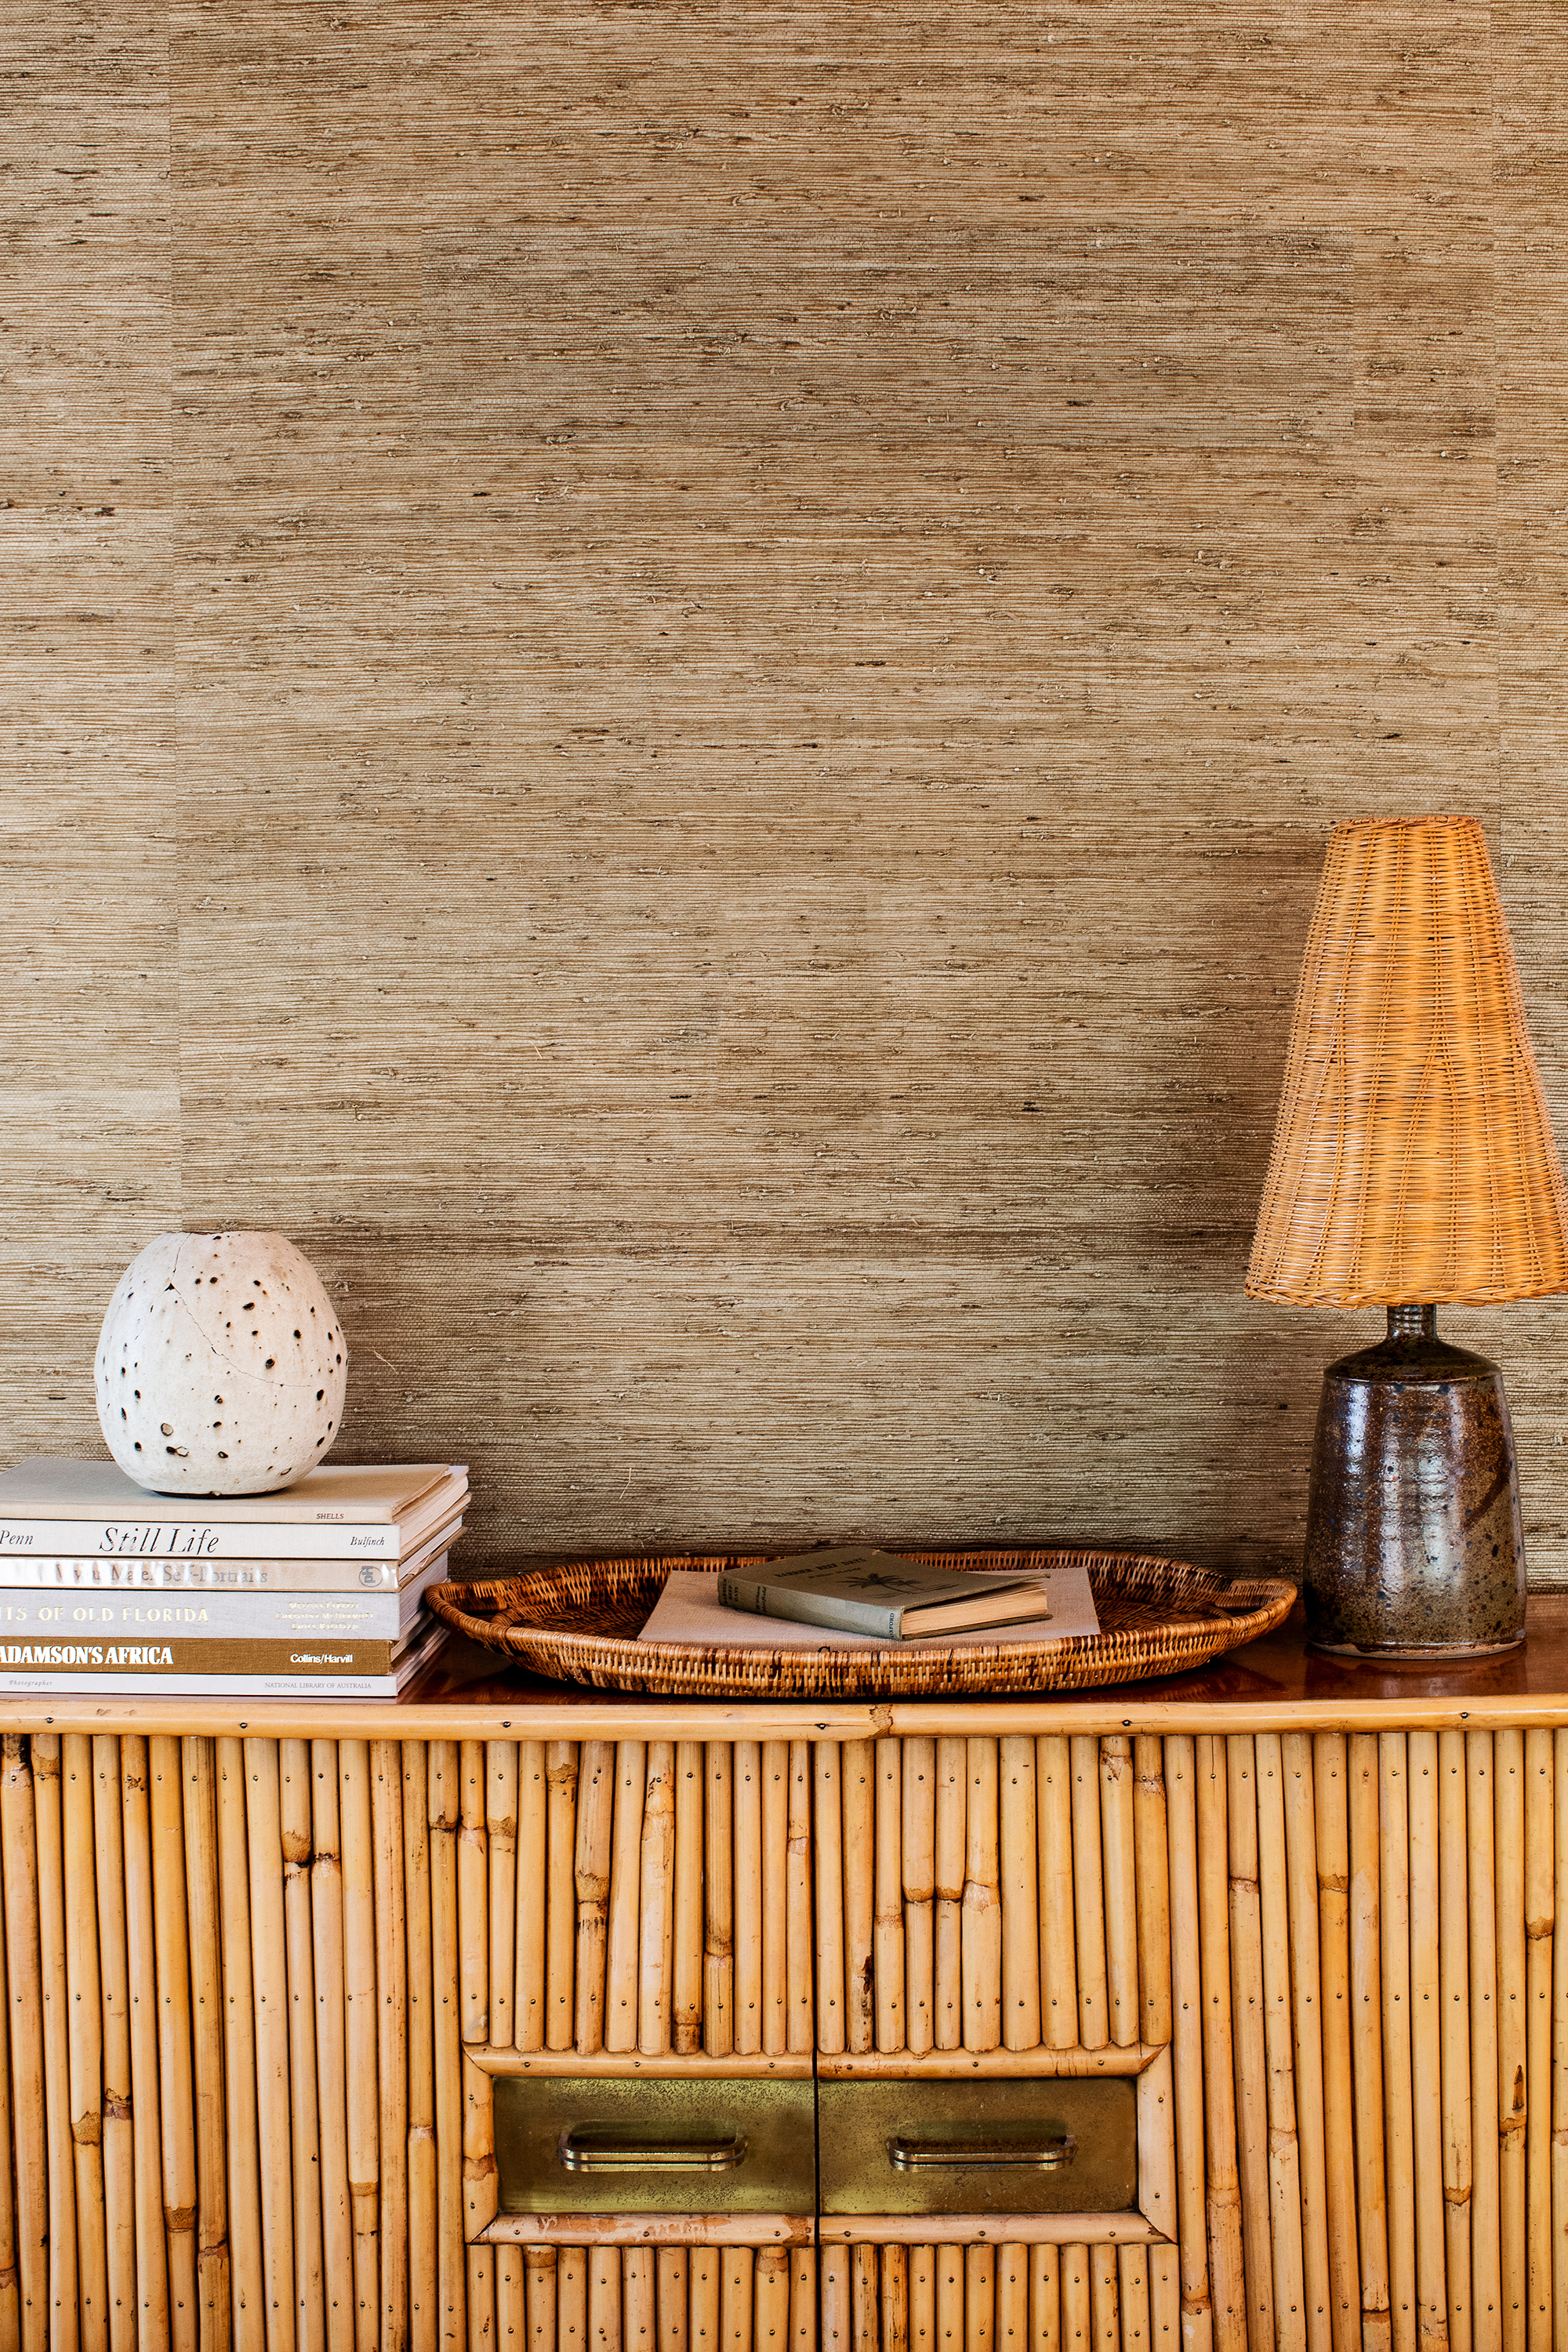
x: 1413, y: 1160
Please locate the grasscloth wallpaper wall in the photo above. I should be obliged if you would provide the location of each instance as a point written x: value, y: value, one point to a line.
x: 675, y: 677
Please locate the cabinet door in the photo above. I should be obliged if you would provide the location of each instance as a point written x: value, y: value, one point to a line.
x: 638, y: 1912
x: 648, y: 1898
x: 1001, y: 1895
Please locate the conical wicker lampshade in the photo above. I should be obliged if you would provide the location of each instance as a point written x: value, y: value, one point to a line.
x: 1413, y: 1158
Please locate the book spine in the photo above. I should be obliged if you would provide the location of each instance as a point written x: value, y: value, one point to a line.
x: 198, y: 1540
x: 91, y: 1572
x: 210, y: 1616
x: 838, y: 1616
x: 36, y: 1662
x: 742, y: 1593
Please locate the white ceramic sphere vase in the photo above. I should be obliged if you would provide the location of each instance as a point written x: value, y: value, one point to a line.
x: 221, y: 1366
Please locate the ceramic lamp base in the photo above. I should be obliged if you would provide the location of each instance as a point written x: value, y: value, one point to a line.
x: 1415, y: 1548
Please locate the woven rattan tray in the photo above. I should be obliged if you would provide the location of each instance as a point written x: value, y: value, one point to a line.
x: 580, y: 1623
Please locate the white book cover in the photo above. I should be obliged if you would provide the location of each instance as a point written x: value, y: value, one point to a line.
x: 208, y: 1614
x: 68, y: 1487
x: 223, y: 1687
x: 688, y: 1610
x: 193, y: 1536
x: 154, y: 1572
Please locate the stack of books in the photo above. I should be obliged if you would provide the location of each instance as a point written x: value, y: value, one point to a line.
x: 317, y: 1591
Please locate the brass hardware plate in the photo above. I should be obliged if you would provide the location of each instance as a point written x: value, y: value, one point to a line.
x: 584, y: 2145
x: 1038, y: 2145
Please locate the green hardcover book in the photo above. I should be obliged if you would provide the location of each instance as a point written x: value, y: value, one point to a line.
x: 853, y: 1588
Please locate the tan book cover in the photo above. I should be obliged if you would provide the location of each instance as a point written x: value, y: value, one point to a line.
x: 223, y: 1670
x: 179, y: 1655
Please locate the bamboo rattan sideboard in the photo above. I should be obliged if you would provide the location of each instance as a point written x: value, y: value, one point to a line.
x: 264, y: 1971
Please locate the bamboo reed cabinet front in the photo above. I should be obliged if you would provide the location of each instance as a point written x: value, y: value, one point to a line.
x: 264, y: 1975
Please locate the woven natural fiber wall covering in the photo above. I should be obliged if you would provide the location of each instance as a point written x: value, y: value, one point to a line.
x: 676, y: 681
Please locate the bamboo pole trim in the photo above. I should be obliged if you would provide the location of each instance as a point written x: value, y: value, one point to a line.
x: 568, y: 2230
x: 1152, y: 1714
x: 1127, y: 2058
x: 988, y: 2229
x: 614, y: 2064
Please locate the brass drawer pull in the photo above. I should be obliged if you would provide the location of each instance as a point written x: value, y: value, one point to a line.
x: 1041, y: 2156
x: 586, y: 2149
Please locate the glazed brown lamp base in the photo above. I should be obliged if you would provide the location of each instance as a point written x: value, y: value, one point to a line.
x: 1415, y: 1548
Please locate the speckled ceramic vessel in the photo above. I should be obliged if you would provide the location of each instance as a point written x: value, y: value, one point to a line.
x: 221, y: 1366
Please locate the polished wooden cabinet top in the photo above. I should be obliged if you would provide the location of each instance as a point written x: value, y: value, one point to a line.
x: 1267, y: 1685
